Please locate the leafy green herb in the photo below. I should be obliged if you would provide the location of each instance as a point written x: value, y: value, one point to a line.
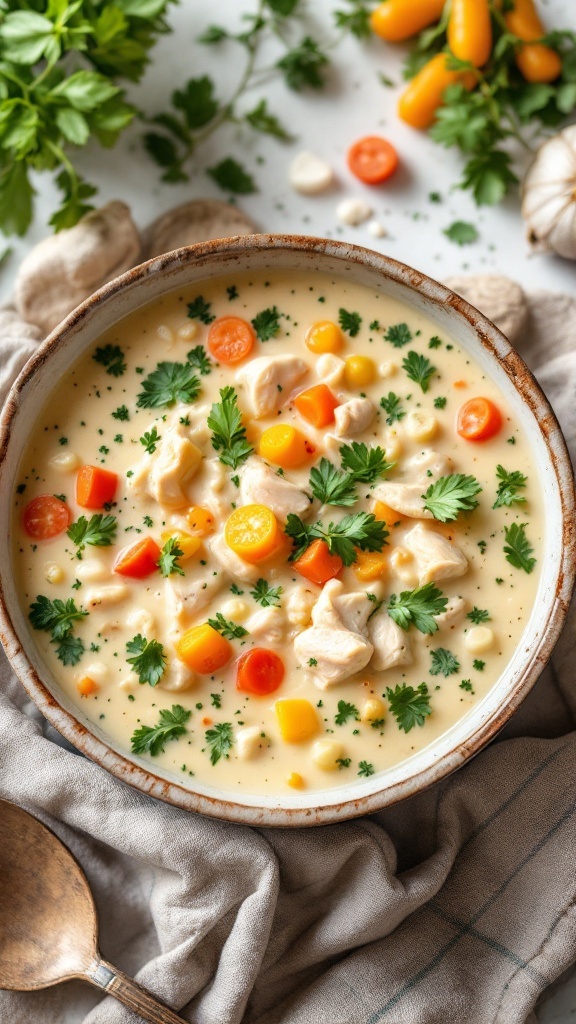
x: 419, y: 369
x: 266, y: 595
x: 478, y: 665
x: 112, y: 357
x: 443, y: 662
x: 356, y: 19
x: 346, y: 711
x: 261, y: 120
x: 312, y: 662
x: 232, y: 292
x: 57, y: 618
x: 99, y: 531
x: 435, y: 342
x: 121, y: 413
x: 517, y: 548
x: 349, y: 322
x: 220, y: 740
x: 466, y: 684
x: 150, y: 739
x: 168, y: 562
x: 199, y: 360
x: 229, y: 630
x: 364, y: 464
x: 148, y: 659
x: 449, y: 495
x: 398, y: 335
x: 409, y: 705
x: 418, y: 607
x: 235, y: 589
x: 232, y: 177
x: 365, y: 769
x: 440, y: 402
x: 343, y: 762
x: 510, y: 484
x: 478, y: 615
x: 167, y: 384
x: 303, y: 65
x: 461, y: 233
x: 150, y: 440
x: 70, y: 649
x: 228, y: 432
x: 267, y: 323
x: 361, y: 530
x: 216, y: 700
x: 392, y: 405
x: 331, y: 486
x: 199, y: 309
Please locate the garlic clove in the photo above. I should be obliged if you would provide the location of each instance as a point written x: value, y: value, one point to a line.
x: 549, y: 196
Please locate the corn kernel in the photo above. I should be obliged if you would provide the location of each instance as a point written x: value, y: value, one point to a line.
x: 53, y: 572
x: 324, y: 336
x: 187, y: 543
x: 359, y: 371
x: 295, y: 780
x: 297, y: 720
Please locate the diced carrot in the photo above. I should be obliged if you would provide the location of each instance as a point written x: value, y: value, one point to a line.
x: 317, y: 564
x: 200, y: 520
x: 139, y: 560
x: 259, y: 671
x: 297, y: 720
x: 285, y: 446
x: 317, y: 405
x: 231, y: 339
x: 252, y: 531
x: 372, y: 159
x: 95, y: 487
x: 479, y: 419
x: 203, y: 649
x: 45, y: 517
x: 86, y: 686
x: 460, y: 384
x: 369, y: 565
x: 206, y: 720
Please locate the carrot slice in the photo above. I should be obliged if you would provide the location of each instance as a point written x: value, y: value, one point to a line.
x: 317, y: 405
x: 95, y: 487
x: 140, y: 560
x: 479, y: 419
x: 259, y: 671
x: 317, y: 564
x: 252, y: 531
x: 372, y: 159
x: 231, y: 339
x: 45, y: 517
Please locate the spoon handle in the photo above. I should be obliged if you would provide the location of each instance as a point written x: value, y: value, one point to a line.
x: 115, y: 983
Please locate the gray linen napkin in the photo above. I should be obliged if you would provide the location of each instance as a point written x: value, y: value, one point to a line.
x: 455, y: 906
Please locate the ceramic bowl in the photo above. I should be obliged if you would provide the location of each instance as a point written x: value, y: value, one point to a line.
x: 498, y: 359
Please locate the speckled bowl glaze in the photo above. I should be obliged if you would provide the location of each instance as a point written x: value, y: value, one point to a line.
x: 476, y: 335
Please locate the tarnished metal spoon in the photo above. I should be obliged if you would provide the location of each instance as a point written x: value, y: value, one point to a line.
x: 48, y: 923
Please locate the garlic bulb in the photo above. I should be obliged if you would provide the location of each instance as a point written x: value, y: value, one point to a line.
x: 549, y: 196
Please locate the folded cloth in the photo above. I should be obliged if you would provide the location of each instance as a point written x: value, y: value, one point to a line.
x: 454, y: 906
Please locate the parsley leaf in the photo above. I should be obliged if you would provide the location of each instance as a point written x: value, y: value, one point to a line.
x: 518, y: 549
x: 151, y: 738
x: 330, y: 485
x: 365, y: 464
x: 361, y: 530
x: 450, y: 495
x: 55, y: 617
x: 148, y: 659
x: 393, y: 406
x: 461, y: 233
x: 266, y: 595
x: 220, y: 740
x: 418, y: 607
x: 167, y: 384
x: 267, y: 323
x: 99, y: 530
x: 365, y: 769
x: 229, y: 630
x: 398, y: 335
x: 303, y: 65
x: 150, y: 440
x: 168, y: 562
x: 199, y: 360
x: 410, y: 706
x: 228, y: 432
x: 232, y: 177
x: 440, y: 402
x: 510, y: 484
x: 112, y: 357
x: 121, y: 413
x: 263, y: 121
x: 70, y: 649
x: 356, y: 20
x: 346, y: 711
x: 443, y: 662
x: 349, y: 322
x: 199, y: 309
x: 216, y: 700
x: 478, y: 615
x: 419, y: 369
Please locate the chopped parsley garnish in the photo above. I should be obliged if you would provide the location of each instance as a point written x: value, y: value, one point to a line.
x: 148, y: 659
x: 478, y: 665
x: 392, y: 404
x: 461, y: 232
x: 517, y: 548
x: 267, y: 323
x: 443, y: 662
x: 168, y: 562
x: 365, y: 769
x: 343, y: 762
x: 508, y: 487
x: 216, y: 700
x: 220, y: 740
x: 419, y: 369
x: 312, y: 662
x: 410, y: 706
x: 121, y: 413
x: 99, y: 530
x: 418, y: 608
x: 150, y: 739
x: 167, y: 384
x: 478, y: 615
x: 361, y: 530
x: 148, y: 521
x: 112, y: 357
x: 235, y: 589
x: 349, y: 322
x: 228, y: 432
x: 466, y: 684
x: 229, y: 630
x: 364, y: 463
x: 150, y: 440
x: 440, y: 402
x: 199, y: 309
x: 435, y: 342
x: 332, y: 486
x: 199, y: 360
x: 398, y: 335
x: 70, y: 649
x: 346, y: 711
x: 232, y: 292
x: 450, y: 495
x: 266, y: 595
x: 57, y: 618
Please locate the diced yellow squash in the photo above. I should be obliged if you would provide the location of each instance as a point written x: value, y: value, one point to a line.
x: 369, y: 565
x: 297, y: 720
x: 188, y: 544
x: 203, y: 649
x: 200, y: 520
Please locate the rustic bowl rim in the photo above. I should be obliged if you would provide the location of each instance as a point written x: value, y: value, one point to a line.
x: 524, y: 383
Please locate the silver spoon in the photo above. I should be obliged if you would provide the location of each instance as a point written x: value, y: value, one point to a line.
x: 48, y: 923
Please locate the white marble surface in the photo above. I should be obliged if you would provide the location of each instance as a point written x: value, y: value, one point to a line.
x: 354, y: 104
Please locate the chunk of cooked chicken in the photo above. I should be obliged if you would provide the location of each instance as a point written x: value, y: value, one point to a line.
x: 177, y: 676
x: 436, y: 557
x: 337, y: 608
x: 353, y: 417
x: 269, y: 380
x: 453, y: 614
x: 187, y: 595
x: 407, y: 495
x: 330, y: 369
x: 250, y: 742
x: 391, y: 644
x: 334, y: 642
x: 174, y: 463
x: 230, y: 562
x: 428, y: 466
x: 261, y: 485
x: 267, y: 625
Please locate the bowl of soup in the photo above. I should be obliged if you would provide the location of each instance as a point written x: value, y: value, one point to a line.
x: 287, y: 529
